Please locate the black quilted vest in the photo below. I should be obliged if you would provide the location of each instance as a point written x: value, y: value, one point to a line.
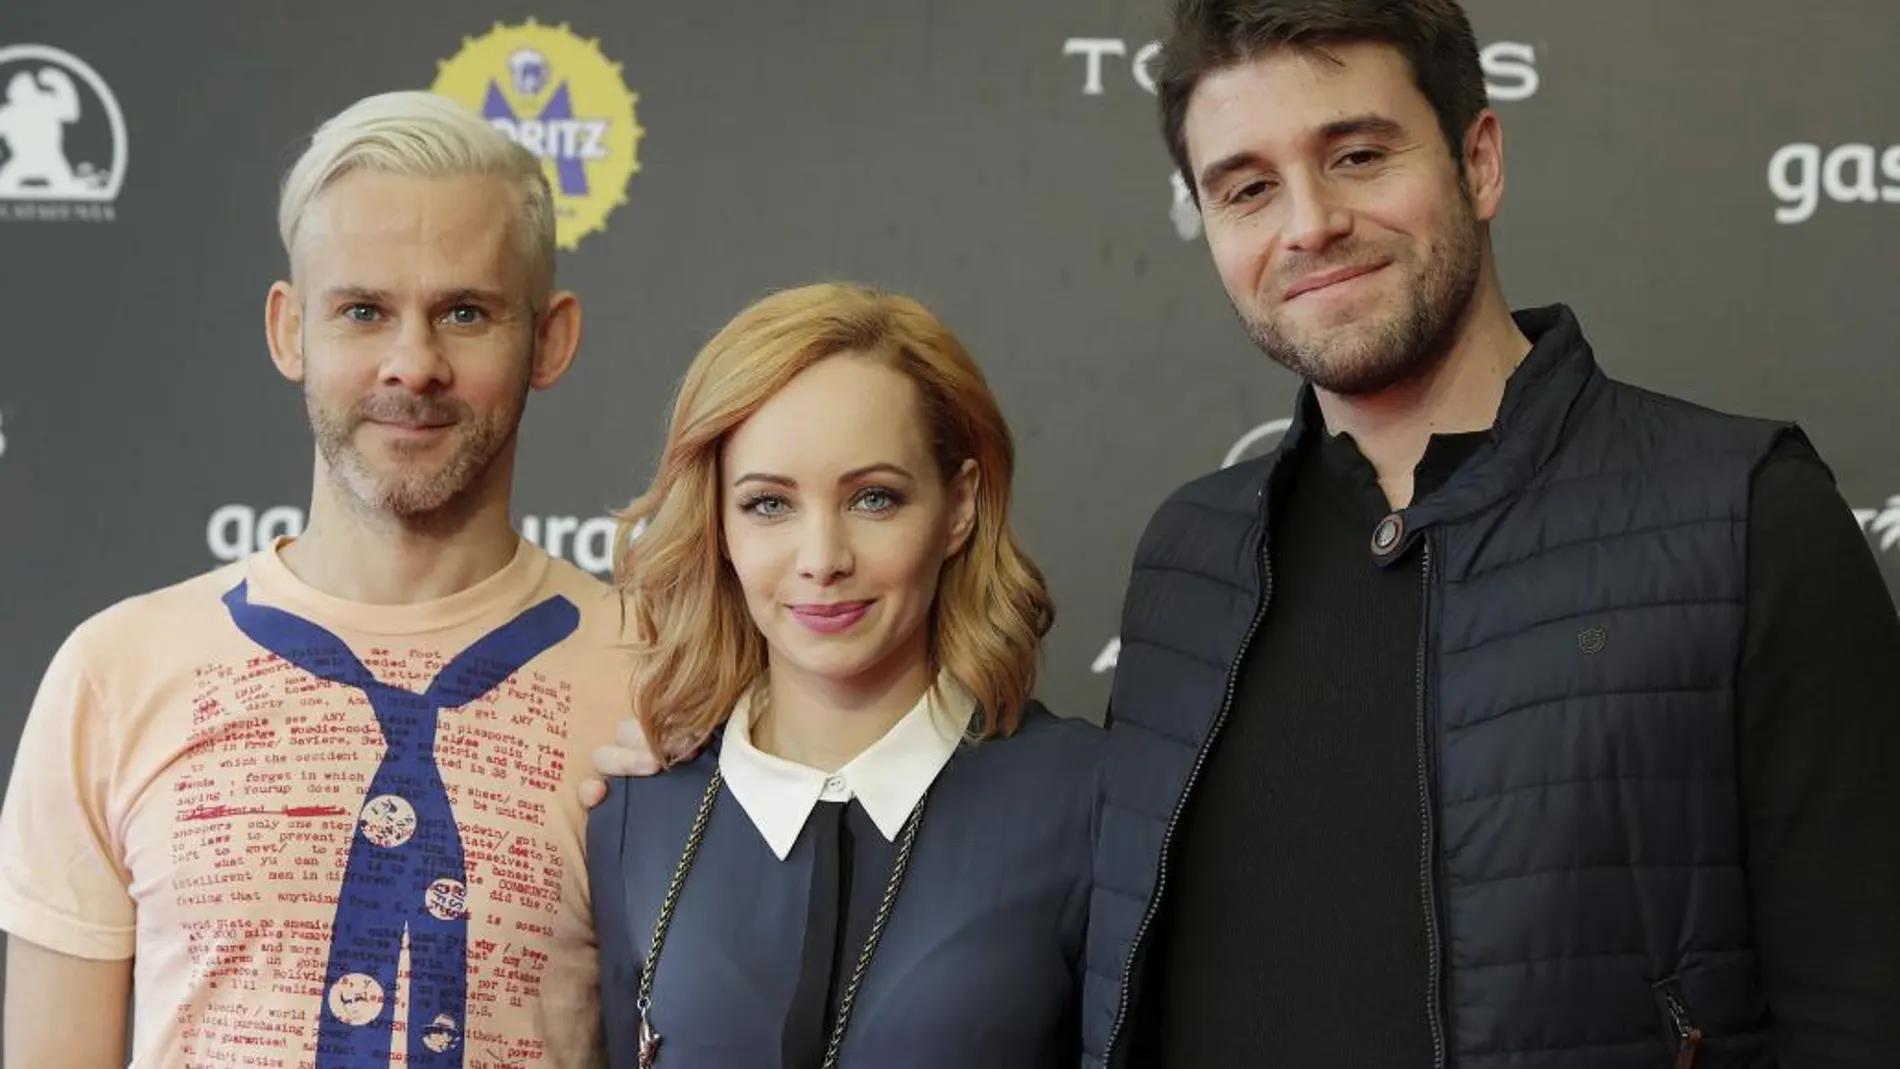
x: 1581, y: 873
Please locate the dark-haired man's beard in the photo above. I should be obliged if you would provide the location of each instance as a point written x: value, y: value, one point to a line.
x: 1401, y: 339
x: 416, y: 482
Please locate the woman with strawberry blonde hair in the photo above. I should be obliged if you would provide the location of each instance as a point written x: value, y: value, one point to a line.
x: 879, y: 853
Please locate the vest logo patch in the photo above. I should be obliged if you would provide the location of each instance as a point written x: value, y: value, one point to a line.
x: 1591, y: 640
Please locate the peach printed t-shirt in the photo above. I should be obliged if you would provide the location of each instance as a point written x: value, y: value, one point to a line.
x: 331, y: 834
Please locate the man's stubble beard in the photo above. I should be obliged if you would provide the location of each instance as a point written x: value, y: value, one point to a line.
x: 414, y: 497
x: 1371, y: 357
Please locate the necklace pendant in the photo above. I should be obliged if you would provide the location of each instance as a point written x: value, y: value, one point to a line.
x: 649, y: 1044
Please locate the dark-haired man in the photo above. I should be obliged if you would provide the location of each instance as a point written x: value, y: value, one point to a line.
x: 1507, y: 716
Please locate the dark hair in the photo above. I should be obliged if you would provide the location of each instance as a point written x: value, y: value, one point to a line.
x: 1434, y: 36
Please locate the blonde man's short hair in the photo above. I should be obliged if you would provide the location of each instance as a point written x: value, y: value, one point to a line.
x: 423, y: 135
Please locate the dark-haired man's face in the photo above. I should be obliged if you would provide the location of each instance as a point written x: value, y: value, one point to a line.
x: 1334, y: 212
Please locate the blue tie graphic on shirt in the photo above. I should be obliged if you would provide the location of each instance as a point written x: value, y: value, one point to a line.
x: 405, y: 874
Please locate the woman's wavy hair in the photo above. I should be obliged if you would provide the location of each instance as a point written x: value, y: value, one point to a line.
x: 697, y: 650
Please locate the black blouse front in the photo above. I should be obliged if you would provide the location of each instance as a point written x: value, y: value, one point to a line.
x: 851, y: 866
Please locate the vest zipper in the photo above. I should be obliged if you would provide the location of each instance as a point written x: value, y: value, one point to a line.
x: 1688, y: 1036
x: 1428, y: 847
x: 1174, y: 820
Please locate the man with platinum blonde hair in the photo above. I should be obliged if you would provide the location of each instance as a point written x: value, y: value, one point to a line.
x: 428, y: 136
x: 319, y: 806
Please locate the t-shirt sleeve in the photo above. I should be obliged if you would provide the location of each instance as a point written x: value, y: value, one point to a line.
x: 62, y: 881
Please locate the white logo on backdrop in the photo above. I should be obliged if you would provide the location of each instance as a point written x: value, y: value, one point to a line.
x: 1510, y: 67
x: 41, y: 105
x: 1883, y: 524
x: 1510, y: 75
x: 236, y: 531
x: 1255, y: 442
x: 1799, y: 175
x: 3, y: 435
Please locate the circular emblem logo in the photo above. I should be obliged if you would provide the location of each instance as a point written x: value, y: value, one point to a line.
x: 1592, y: 640
x: 62, y: 136
x: 556, y: 95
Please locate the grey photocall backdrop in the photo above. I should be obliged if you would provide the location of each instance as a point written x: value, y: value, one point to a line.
x: 1715, y: 187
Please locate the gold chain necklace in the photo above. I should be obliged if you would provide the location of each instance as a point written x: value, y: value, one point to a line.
x: 650, y: 1040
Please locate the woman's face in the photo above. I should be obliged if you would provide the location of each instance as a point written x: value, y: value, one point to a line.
x: 838, y: 523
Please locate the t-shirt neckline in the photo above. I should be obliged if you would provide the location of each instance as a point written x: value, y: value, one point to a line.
x: 507, y: 588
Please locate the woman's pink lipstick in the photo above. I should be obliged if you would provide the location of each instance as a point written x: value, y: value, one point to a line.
x: 831, y: 618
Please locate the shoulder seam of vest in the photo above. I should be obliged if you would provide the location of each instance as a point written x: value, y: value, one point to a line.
x: 1585, y: 540
x: 1553, y: 480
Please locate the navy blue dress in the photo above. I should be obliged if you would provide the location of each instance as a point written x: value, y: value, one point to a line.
x: 980, y: 963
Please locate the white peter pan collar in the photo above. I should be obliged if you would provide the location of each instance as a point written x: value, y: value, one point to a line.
x: 887, y: 778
